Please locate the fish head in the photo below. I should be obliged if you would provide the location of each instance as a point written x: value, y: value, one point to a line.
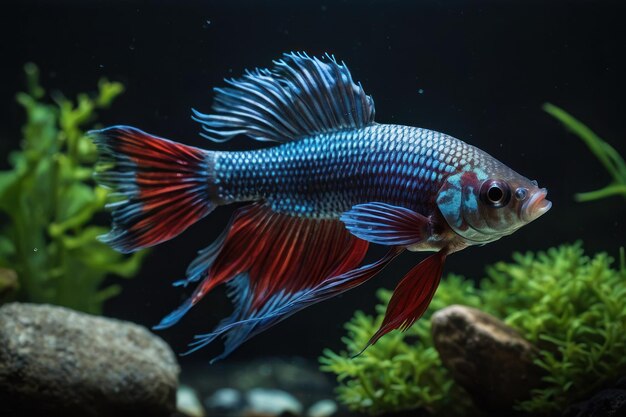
x: 483, y: 204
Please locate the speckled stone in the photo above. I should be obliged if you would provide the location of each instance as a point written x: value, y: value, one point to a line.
x: 485, y: 356
x: 55, y: 361
x: 610, y: 402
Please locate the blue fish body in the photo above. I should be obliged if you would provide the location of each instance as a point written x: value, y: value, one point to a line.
x: 325, y: 175
x: 335, y: 182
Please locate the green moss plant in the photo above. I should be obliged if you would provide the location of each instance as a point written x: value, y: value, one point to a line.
x: 606, y: 154
x: 48, y: 201
x: 402, y: 370
x: 570, y: 305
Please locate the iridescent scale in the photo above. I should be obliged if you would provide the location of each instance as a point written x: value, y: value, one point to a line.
x: 325, y: 175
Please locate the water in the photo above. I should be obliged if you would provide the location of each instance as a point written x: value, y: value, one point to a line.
x: 478, y: 71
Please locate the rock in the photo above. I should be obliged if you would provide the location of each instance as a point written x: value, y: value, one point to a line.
x: 485, y: 356
x: 606, y: 403
x: 187, y: 402
x: 271, y: 402
x: 58, y: 362
x: 322, y: 408
x: 225, y: 401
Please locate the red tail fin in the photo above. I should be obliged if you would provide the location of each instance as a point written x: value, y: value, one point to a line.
x: 412, y: 295
x: 163, y: 186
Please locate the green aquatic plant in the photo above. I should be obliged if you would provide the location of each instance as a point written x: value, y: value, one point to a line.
x: 568, y: 304
x: 402, y: 370
x: 48, y: 201
x: 606, y: 154
x: 571, y: 306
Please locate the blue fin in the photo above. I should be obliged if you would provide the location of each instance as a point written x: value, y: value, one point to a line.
x: 243, y: 324
x: 239, y: 291
x: 173, y: 318
x: 197, y: 270
x: 299, y: 96
x: 199, y: 267
x: 386, y: 224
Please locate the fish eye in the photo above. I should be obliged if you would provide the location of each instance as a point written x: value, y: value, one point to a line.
x: 495, y: 193
x: 521, y: 193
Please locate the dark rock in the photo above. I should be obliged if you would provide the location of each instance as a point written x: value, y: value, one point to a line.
x: 485, y: 356
x: 621, y: 383
x: 606, y: 403
x: 55, y: 361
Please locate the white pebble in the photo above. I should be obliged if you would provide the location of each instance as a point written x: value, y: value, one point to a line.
x: 225, y: 399
x: 322, y: 408
x: 272, y: 402
x: 187, y: 402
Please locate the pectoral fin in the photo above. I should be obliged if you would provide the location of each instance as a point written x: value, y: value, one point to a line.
x: 386, y: 224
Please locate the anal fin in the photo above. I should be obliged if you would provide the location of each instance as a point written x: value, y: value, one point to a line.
x: 242, y: 325
x: 275, y: 265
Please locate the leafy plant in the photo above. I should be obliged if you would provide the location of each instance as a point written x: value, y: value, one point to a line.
x: 402, y: 370
x: 570, y: 305
x: 605, y: 153
x: 49, y: 200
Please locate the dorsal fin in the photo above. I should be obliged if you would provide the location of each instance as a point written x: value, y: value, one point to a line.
x: 299, y: 96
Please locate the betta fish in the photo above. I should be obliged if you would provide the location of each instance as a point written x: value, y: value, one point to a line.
x: 334, y: 182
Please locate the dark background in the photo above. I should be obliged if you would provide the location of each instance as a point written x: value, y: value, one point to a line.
x: 484, y: 68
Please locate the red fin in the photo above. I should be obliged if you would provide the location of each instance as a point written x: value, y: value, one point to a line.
x: 412, y: 295
x: 243, y: 324
x: 278, y: 253
x: 282, y: 252
x: 275, y: 265
x: 164, y: 186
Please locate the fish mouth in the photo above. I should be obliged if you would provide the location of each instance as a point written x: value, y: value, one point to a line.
x: 536, y: 205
